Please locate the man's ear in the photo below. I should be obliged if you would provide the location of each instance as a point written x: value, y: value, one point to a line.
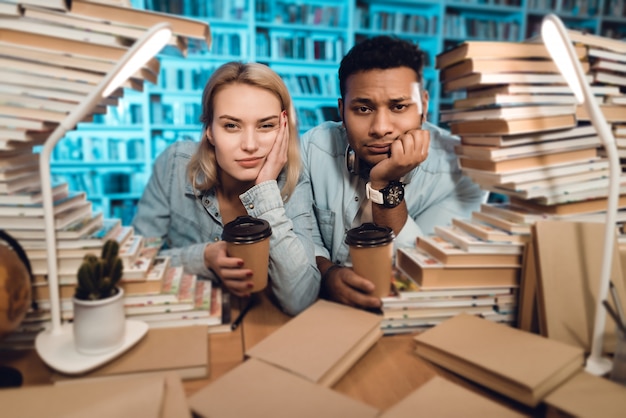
x: 425, y: 100
x: 340, y: 107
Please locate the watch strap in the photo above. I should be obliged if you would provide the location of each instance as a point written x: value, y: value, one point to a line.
x: 373, y: 194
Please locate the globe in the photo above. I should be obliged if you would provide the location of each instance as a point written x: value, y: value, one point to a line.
x: 15, y: 290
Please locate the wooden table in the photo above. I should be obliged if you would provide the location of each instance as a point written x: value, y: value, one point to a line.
x: 386, y: 374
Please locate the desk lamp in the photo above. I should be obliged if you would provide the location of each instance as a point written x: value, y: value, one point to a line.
x: 559, y: 45
x: 137, y: 56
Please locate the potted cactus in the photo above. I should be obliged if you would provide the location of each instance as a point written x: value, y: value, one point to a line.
x: 99, y: 319
x: 98, y: 277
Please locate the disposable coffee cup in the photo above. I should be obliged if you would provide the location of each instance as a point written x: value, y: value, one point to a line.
x: 248, y: 238
x: 371, y: 250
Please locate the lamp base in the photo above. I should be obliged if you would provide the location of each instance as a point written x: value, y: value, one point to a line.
x: 599, y: 366
x: 58, y: 351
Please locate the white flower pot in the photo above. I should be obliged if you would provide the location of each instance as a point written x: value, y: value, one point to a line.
x: 99, y: 325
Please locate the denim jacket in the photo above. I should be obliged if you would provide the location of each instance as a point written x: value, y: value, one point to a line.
x: 435, y: 191
x: 169, y: 209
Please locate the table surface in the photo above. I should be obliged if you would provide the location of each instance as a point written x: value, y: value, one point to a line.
x: 388, y: 372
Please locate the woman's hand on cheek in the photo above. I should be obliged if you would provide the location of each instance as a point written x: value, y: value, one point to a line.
x: 235, y: 277
x: 277, y: 157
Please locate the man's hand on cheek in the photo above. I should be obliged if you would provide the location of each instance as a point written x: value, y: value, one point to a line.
x: 407, y: 152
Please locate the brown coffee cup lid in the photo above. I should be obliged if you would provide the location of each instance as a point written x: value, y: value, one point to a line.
x: 246, y: 230
x: 369, y: 235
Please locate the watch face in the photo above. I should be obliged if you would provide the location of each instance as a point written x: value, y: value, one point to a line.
x: 393, y: 194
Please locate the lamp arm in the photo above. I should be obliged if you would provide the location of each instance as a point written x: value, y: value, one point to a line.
x: 605, y: 134
x: 160, y: 34
x: 69, y: 123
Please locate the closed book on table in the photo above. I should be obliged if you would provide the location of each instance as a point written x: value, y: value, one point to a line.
x: 158, y: 396
x: 440, y: 397
x: 514, y: 363
x: 429, y: 273
x: 569, y: 258
x: 257, y: 389
x: 587, y: 396
x: 512, y: 127
x: 184, y: 350
x: 321, y: 343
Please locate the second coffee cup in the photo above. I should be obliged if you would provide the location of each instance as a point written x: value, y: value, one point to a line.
x: 371, y: 250
x: 248, y: 238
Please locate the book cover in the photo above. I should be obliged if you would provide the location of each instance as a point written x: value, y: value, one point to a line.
x: 183, y: 350
x: 538, y: 148
x: 272, y: 391
x: 503, y: 224
x: 587, y: 396
x: 478, y: 80
x: 478, y: 65
x: 539, y: 89
x: 338, y: 335
x: 567, y: 290
x: 512, y: 213
x: 514, y: 363
x: 503, y: 141
x: 429, y: 273
x: 487, y: 232
x: 494, y: 49
x: 557, y: 158
x: 440, y: 397
x: 515, y: 100
x: 452, y: 255
x: 158, y: 396
x: 570, y: 208
x: 505, y: 112
x: 511, y: 127
x: 486, y: 178
x: 471, y: 244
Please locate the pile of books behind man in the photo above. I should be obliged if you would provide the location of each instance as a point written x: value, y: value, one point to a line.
x: 523, y: 137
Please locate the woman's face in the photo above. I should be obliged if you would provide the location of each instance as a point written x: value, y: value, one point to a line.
x: 244, y: 128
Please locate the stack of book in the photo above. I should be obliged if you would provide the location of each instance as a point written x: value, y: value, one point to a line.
x: 412, y: 307
x: 522, y: 134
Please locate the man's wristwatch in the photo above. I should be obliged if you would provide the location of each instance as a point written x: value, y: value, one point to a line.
x: 389, y: 196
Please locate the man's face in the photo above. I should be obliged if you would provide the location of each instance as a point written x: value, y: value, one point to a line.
x: 378, y: 107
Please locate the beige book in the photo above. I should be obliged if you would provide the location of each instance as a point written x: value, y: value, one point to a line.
x: 321, y: 343
x: 149, y: 396
x: 514, y: 363
x: 569, y: 260
x: 513, y: 127
x: 429, y: 273
x: 440, y: 398
x: 258, y: 389
x: 587, y: 396
x: 184, y: 350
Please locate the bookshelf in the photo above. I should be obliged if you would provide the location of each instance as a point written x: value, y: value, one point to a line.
x: 303, y: 41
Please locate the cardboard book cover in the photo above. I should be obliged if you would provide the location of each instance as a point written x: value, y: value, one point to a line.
x: 569, y: 261
x: 429, y: 273
x: 257, y: 389
x: 442, y: 398
x: 514, y: 363
x: 587, y: 396
x: 184, y: 350
x: 158, y: 396
x: 321, y: 343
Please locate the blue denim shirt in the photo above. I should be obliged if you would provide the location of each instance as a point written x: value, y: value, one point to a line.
x: 436, y: 190
x: 169, y: 209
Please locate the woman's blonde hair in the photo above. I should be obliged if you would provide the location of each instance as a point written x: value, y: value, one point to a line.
x: 202, y: 168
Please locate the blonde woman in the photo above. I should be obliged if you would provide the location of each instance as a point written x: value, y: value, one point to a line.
x: 247, y: 163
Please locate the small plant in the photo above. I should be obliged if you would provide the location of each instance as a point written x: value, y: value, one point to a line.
x: 98, y: 277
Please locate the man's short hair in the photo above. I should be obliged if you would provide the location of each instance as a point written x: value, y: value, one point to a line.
x: 380, y: 53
